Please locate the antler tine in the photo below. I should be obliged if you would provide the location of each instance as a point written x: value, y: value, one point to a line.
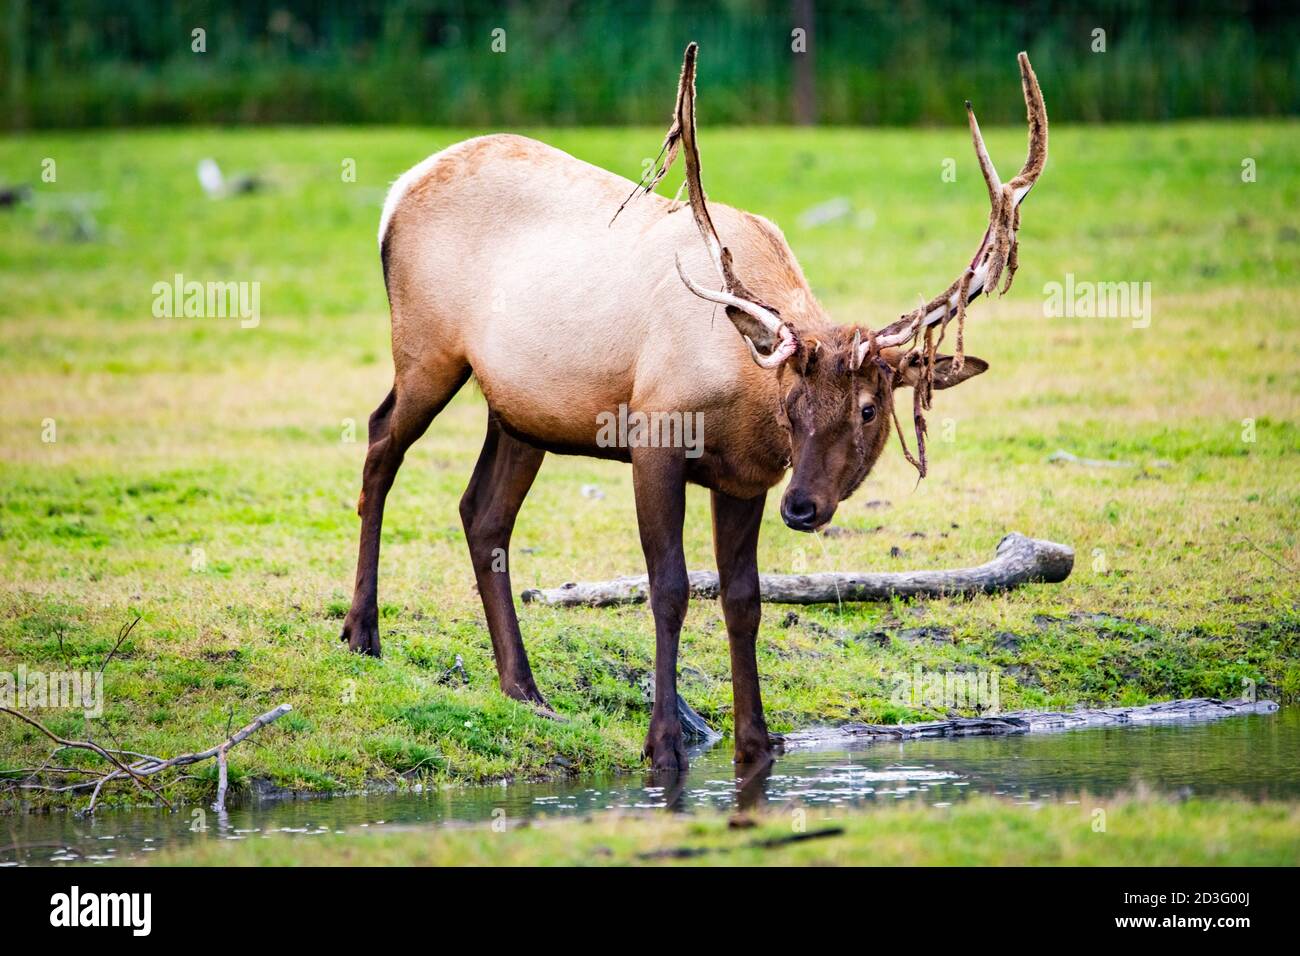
x: 685, y: 125
x: 982, y: 155
x: 733, y: 294
x: 997, y: 249
x: 729, y: 299
x: 1037, y: 116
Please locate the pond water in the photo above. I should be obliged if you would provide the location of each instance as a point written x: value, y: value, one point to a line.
x: 1248, y: 758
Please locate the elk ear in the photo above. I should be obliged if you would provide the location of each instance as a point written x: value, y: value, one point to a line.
x: 752, y: 329
x: 945, y: 377
x: 907, y: 365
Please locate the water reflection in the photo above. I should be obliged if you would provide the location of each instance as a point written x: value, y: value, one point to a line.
x: 1246, y: 757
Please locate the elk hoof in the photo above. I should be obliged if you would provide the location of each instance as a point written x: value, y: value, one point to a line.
x: 540, y: 707
x: 362, y: 638
x: 754, y: 748
x: 526, y: 692
x: 665, y: 751
x: 754, y: 756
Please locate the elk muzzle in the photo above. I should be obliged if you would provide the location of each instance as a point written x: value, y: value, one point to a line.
x: 802, y: 509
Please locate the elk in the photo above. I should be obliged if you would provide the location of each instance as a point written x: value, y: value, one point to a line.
x: 501, y: 261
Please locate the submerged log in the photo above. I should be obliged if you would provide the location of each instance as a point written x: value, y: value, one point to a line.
x: 1019, y: 560
x: 1029, y: 722
x: 695, y: 729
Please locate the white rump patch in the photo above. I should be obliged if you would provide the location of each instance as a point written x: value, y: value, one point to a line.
x: 399, y: 189
x: 408, y: 179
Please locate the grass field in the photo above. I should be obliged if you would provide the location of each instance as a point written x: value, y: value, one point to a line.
x: 983, y: 832
x: 204, y: 475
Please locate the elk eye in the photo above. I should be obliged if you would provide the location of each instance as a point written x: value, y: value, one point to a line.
x: 868, y: 414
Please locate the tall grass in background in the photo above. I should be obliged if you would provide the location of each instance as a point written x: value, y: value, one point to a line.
x: 77, y: 63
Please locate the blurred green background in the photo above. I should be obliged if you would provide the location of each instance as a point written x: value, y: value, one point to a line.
x: 77, y: 63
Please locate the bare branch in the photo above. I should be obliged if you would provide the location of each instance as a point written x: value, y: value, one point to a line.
x: 123, y: 633
x: 220, y: 804
x: 91, y: 746
x: 145, y: 766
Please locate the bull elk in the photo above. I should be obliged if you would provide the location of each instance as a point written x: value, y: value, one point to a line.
x: 501, y: 261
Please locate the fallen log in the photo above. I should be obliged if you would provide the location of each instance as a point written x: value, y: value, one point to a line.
x: 1019, y: 560
x: 1029, y: 722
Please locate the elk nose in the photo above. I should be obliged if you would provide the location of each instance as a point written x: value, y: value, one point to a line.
x: 799, y: 511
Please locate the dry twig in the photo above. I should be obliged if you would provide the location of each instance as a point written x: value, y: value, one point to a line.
x: 141, y: 767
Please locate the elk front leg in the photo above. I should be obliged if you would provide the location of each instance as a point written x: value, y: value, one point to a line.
x: 735, y: 544
x: 659, y: 480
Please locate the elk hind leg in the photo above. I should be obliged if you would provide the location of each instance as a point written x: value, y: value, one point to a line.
x: 501, y: 480
x: 401, y: 418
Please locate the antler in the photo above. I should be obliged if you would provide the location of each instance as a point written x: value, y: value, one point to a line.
x: 733, y: 294
x: 997, y: 252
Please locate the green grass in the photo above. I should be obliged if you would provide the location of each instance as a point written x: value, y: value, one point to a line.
x: 202, y: 478
x: 981, y: 832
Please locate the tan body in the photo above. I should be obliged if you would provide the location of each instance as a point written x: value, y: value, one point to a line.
x: 500, y: 254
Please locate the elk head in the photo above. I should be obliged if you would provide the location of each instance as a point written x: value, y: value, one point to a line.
x: 837, y: 412
x: 837, y: 386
